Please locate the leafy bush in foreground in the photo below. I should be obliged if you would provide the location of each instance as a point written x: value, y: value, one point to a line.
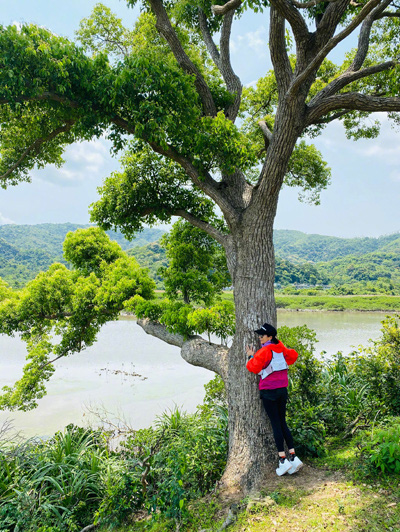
x: 379, y: 448
x: 73, y: 480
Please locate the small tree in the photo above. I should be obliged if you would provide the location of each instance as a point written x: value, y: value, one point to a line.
x: 197, y: 264
x: 61, y: 311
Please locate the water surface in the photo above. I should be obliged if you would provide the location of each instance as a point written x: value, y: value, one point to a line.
x: 101, y: 376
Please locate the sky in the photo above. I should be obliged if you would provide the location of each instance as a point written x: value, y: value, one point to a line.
x: 362, y: 200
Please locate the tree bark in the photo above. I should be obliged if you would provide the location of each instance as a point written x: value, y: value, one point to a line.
x: 252, y: 452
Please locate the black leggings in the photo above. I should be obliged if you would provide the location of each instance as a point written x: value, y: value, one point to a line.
x: 274, y: 402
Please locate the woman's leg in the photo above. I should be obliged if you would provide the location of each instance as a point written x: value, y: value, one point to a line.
x: 271, y: 408
x: 281, y: 408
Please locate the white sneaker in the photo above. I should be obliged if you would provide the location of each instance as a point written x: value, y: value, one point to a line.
x: 295, y: 465
x: 283, y: 467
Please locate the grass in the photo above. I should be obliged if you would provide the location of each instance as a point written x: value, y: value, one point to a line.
x: 338, y: 303
x: 329, y: 494
x: 333, y: 496
x: 362, y: 303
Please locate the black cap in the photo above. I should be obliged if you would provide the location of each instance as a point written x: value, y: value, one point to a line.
x: 267, y: 329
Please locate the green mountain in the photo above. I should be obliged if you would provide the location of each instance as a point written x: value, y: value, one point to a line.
x: 50, y: 237
x: 296, y: 246
x: 359, y: 263
x: 25, y: 250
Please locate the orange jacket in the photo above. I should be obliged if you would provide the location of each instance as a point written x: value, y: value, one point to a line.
x: 263, y: 357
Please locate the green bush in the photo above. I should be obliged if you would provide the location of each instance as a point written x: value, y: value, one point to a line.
x: 186, y: 454
x: 55, y: 484
x: 308, y: 431
x: 380, y: 448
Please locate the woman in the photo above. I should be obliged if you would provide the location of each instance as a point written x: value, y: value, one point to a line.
x: 271, y: 363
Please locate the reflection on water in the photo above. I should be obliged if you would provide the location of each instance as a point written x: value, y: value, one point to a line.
x: 100, y: 376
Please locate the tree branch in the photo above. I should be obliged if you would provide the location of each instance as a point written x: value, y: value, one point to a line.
x: 203, y: 182
x: 330, y: 119
x: 353, y: 101
x: 279, y: 56
x: 35, y: 146
x: 204, y: 226
x: 312, y: 3
x: 222, y: 59
x: 294, y: 17
x: 195, y: 350
x: 265, y: 130
x: 229, y: 6
x: 389, y: 14
x: 349, y: 77
x: 208, y: 40
x: 165, y: 29
x: 334, y: 41
x: 232, y: 81
x: 363, y: 39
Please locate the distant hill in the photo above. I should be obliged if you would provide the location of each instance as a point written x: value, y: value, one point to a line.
x: 296, y: 246
x: 19, y: 266
x: 368, y: 268
x: 361, y: 263
x: 151, y: 256
x: 300, y: 258
x: 50, y: 237
x: 25, y: 250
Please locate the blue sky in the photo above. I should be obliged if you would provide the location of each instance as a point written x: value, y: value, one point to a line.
x: 363, y: 199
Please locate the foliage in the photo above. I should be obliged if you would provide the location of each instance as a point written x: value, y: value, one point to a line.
x: 61, y: 311
x: 379, y: 448
x: 186, y: 320
x: 218, y: 319
x: 57, y: 483
x: 190, y: 457
x: 73, y: 480
x: 308, y: 431
x: 197, y: 265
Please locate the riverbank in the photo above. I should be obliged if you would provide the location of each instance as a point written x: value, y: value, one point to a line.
x: 367, y: 303
x: 360, y: 303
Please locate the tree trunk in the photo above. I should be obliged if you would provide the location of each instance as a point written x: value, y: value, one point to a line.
x: 252, y: 451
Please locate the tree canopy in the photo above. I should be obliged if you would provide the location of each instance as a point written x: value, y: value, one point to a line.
x: 197, y: 265
x: 60, y: 312
x: 194, y: 139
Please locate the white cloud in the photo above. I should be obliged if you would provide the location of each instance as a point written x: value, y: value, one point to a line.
x: 255, y: 40
x: 4, y: 220
x: 252, y: 83
x: 86, y: 161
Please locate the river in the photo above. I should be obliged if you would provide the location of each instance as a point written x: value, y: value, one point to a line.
x: 135, y: 377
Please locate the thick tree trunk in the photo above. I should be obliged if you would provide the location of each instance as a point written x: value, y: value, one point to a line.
x: 252, y: 451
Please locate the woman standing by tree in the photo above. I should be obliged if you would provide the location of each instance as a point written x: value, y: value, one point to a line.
x: 271, y: 363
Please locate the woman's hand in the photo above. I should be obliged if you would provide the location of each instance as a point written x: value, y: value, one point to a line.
x: 250, y: 351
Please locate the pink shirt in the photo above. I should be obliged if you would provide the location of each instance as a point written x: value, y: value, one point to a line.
x: 277, y: 379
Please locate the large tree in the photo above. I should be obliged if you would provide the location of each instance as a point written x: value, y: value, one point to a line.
x: 169, y: 85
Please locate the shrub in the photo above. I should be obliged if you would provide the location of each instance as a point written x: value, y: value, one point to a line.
x: 308, y: 431
x: 379, y: 448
